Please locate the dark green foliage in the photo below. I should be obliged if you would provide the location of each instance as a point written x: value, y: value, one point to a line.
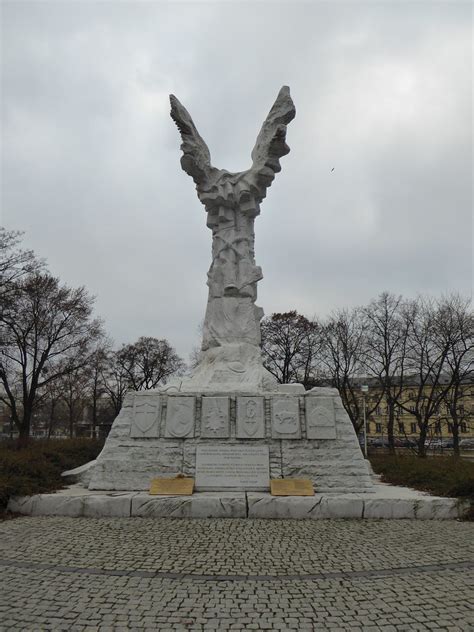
x: 38, y: 467
x: 442, y: 476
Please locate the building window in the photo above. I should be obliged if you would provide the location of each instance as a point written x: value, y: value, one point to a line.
x: 413, y: 428
x: 378, y: 428
x: 450, y: 427
x: 401, y: 427
x: 464, y: 427
x: 438, y: 427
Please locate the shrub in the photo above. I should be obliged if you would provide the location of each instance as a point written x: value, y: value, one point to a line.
x: 38, y: 467
x: 443, y: 476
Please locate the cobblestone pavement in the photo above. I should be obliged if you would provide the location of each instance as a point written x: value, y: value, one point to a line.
x: 145, y: 574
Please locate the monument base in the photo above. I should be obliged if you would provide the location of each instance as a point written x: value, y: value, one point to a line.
x: 254, y: 437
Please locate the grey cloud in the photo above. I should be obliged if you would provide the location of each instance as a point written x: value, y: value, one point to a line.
x: 91, y: 168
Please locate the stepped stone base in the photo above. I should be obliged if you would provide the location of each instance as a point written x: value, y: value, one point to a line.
x: 386, y: 502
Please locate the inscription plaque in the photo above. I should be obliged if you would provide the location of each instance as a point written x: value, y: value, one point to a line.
x: 250, y: 418
x: 291, y: 487
x: 242, y: 467
x: 178, y: 486
x: 215, y: 417
x: 146, y: 416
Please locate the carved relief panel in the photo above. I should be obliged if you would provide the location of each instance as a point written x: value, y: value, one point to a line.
x: 286, y: 418
x: 320, y: 418
x: 215, y: 420
x: 146, y: 417
x: 250, y: 418
x: 180, y: 417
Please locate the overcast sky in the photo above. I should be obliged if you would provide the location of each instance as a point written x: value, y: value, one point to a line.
x: 90, y: 160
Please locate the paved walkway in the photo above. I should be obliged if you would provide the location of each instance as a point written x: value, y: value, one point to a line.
x: 144, y: 574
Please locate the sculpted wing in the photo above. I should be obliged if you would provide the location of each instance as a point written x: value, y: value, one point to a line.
x: 270, y: 145
x: 196, y: 159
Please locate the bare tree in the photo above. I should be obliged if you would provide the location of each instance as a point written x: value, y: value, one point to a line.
x: 96, y: 387
x: 426, y: 362
x: 42, y: 323
x: 73, y: 387
x: 386, y: 326
x: 115, y: 381
x: 289, y: 345
x: 149, y: 362
x: 455, y: 330
x: 15, y: 262
x: 343, y: 355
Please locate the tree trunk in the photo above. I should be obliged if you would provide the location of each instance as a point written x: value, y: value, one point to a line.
x: 390, y: 423
x: 71, y: 424
x: 24, y: 427
x: 455, y: 438
x: 421, y: 440
x: 51, y: 419
x: 24, y: 434
x: 94, y: 416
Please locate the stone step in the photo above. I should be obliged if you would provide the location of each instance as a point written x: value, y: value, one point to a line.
x: 386, y: 502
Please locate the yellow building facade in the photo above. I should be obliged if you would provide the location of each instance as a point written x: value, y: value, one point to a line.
x: 405, y: 423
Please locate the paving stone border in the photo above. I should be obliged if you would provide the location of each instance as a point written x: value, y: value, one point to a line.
x: 380, y: 572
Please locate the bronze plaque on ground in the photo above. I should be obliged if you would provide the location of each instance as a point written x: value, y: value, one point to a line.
x: 172, y: 486
x: 291, y: 487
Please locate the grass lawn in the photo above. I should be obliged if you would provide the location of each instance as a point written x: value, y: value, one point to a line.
x: 38, y: 467
x: 439, y: 475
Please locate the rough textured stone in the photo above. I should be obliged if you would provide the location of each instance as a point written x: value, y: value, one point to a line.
x: 387, y: 502
x: 108, y: 505
x: 337, y: 465
x: 203, y: 505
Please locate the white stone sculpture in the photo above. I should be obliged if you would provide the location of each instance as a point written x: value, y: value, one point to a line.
x: 231, y: 334
x: 230, y: 425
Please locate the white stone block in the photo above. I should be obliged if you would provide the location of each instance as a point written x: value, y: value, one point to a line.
x: 341, y: 506
x: 200, y: 505
x: 283, y: 507
x: 291, y: 389
x: 108, y: 505
x: 58, y: 505
x: 389, y: 508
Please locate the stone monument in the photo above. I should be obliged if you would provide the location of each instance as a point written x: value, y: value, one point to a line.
x: 230, y: 425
